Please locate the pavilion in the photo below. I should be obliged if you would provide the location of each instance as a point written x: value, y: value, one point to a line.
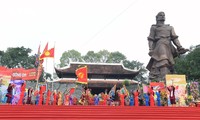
x: 101, y: 76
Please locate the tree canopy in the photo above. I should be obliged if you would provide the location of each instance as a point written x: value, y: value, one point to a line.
x: 189, y: 64
x: 17, y: 57
x: 70, y: 55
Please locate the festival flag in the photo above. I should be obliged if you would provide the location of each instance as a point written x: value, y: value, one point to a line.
x: 112, y: 92
x: 47, y: 54
x: 72, y: 90
x: 81, y: 74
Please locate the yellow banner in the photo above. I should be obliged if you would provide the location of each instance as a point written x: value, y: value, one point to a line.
x: 5, y: 80
x: 179, y: 82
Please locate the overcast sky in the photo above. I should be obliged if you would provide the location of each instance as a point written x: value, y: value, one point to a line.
x: 84, y: 25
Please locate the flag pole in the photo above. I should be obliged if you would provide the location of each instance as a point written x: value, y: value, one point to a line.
x: 53, y: 66
x: 38, y: 65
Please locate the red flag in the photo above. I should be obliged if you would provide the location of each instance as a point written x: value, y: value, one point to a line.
x: 48, y: 53
x: 82, y: 76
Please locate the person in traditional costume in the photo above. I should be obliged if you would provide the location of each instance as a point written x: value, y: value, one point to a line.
x: 171, y: 90
x: 136, y: 94
x: 158, y: 98
x: 75, y: 100
x: 54, y: 97
x: 41, y: 92
x: 67, y: 99
x: 48, y: 97
x: 121, y: 97
x: 23, y: 87
x: 105, y: 98
x: 131, y: 99
x: 29, y: 97
x: 91, y: 100
x: 25, y: 96
x: 37, y: 97
x: 96, y: 99
x: 70, y: 100
x: 146, y: 96
x: 59, y: 98
x: 9, y: 93
x: 151, y: 96
x: 82, y: 100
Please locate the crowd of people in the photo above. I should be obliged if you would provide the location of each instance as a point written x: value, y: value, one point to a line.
x: 120, y: 97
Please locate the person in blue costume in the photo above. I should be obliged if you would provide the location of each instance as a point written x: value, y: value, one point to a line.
x: 37, y: 99
x: 131, y: 100
x: 146, y: 96
x: 158, y: 98
x: 70, y: 100
x: 96, y: 100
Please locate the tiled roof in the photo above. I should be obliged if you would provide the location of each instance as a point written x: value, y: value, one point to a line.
x: 98, y: 70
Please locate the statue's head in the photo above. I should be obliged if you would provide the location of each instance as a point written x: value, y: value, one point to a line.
x: 160, y: 16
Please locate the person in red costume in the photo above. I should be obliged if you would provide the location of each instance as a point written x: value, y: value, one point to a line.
x: 121, y: 97
x: 82, y: 100
x: 48, y: 97
x: 67, y: 99
x: 151, y: 93
x: 136, y: 94
x: 54, y: 97
x: 105, y: 98
x: 23, y: 87
x: 75, y: 101
x: 42, y: 89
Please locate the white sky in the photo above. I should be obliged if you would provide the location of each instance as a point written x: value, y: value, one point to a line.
x: 84, y: 25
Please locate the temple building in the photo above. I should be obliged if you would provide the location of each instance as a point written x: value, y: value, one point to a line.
x: 101, y: 76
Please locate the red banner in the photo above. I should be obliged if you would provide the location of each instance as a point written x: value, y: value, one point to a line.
x: 19, y: 73
x: 22, y: 74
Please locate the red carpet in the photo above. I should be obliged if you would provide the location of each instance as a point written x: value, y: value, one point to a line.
x: 26, y: 112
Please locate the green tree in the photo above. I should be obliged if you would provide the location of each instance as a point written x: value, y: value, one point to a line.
x: 116, y: 57
x: 17, y: 57
x: 1, y: 56
x: 189, y: 64
x: 99, y: 57
x: 70, y: 55
x: 92, y: 57
x: 104, y: 56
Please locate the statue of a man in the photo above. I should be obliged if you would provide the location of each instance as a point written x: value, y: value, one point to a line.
x: 161, y: 49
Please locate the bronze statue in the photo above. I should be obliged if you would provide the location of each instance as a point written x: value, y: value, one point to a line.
x: 161, y: 49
